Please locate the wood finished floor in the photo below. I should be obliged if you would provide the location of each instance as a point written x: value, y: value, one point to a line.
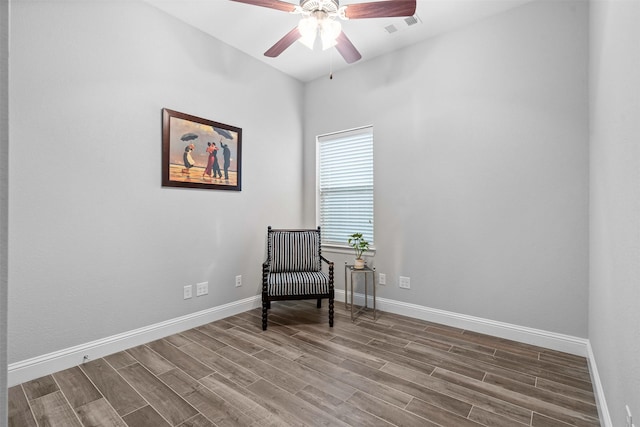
x: 396, y: 371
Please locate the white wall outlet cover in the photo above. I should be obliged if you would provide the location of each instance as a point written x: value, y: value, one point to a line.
x: 238, y: 281
x: 187, y: 292
x: 202, y: 288
x: 404, y: 282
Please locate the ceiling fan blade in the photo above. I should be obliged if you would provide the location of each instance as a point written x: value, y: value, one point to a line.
x: 347, y: 49
x: 271, y: 4
x: 381, y: 9
x: 283, y: 43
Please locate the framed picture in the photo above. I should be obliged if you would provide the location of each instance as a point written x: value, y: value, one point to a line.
x: 200, y: 153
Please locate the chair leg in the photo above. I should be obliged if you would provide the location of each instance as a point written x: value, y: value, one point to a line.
x: 265, y: 307
x: 331, y: 312
x: 319, y: 303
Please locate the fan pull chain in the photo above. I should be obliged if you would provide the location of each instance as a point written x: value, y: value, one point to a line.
x: 331, y: 64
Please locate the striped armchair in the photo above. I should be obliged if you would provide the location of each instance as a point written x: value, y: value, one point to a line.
x: 293, y: 270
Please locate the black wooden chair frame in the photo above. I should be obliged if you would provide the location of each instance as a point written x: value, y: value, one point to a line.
x: 266, y: 270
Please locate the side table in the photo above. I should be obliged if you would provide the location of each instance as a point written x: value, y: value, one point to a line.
x: 366, y: 271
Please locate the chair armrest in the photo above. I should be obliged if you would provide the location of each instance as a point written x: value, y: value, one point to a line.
x: 330, y: 264
x: 326, y: 260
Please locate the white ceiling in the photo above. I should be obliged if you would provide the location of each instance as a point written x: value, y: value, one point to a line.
x: 254, y: 29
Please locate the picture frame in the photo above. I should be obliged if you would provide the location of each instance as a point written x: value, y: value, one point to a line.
x: 200, y: 153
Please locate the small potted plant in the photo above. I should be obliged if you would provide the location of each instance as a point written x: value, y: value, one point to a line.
x: 360, y: 245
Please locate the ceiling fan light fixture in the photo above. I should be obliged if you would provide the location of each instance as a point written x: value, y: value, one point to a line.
x: 330, y: 29
x: 308, y: 28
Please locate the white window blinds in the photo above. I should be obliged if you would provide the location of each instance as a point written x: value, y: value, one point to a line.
x: 345, y: 185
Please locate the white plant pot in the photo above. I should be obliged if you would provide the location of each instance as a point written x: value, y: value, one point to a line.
x: 358, y: 264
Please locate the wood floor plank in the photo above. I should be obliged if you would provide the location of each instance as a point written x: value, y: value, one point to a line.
x: 339, y: 409
x: 425, y: 394
x: 488, y: 418
x: 197, y: 421
x: 99, y: 413
x: 52, y: 410
x: 145, y: 417
x: 40, y: 387
x: 357, y: 381
x: 333, y: 347
x: 433, y: 360
x: 203, y: 339
x: 472, y: 362
x: 231, y: 392
x: 19, y: 411
x: 164, y: 400
x: 574, y: 393
x: 439, y: 415
x: 387, y: 411
x: 562, y: 358
x: 255, y: 316
x: 340, y: 390
x: 561, y: 413
x: 306, y: 348
x: 562, y: 369
x: 525, y: 367
x: 227, y: 390
x: 76, y: 387
x: 180, y: 359
x: 179, y: 381
x: 150, y: 359
x: 539, y: 420
x: 221, y: 364
x: 113, y: 387
x: 543, y: 395
x: 387, y: 356
x: 276, y: 376
x: 266, y: 341
x: 216, y: 409
x: 120, y: 359
x: 228, y: 338
x: 488, y: 403
x: 177, y: 340
x: 282, y: 400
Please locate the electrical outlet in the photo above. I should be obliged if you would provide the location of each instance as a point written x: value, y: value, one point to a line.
x: 202, y: 289
x: 187, y: 292
x: 629, y: 417
x: 404, y: 282
x: 238, y: 281
x: 382, y: 278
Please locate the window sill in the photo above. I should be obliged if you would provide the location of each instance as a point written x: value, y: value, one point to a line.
x: 338, y: 249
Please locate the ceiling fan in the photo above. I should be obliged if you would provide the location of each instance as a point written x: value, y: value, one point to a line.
x: 319, y: 18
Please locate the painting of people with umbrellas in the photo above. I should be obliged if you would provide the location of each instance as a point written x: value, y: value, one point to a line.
x: 200, y: 153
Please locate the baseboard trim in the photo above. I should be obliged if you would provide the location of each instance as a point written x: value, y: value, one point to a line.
x: 598, y: 390
x: 36, y: 367
x: 546, y: 339
x: 39, y: 366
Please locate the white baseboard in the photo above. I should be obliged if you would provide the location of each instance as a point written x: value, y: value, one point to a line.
x: 598, y: 390
x: 546, y: 339
x: 39, y: 366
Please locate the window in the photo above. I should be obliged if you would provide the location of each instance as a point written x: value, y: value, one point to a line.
x: 345, y: 185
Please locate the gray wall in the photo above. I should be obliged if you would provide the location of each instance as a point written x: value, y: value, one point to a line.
x: 614, y: 317
x: 96, y: 246
x: 481, y: 165
x: 4, y: 188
